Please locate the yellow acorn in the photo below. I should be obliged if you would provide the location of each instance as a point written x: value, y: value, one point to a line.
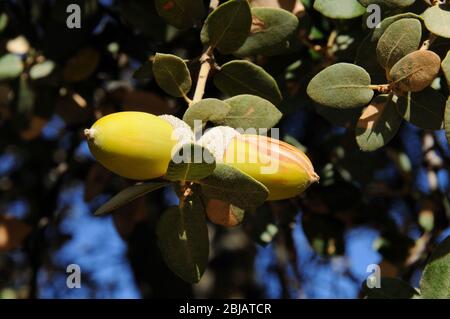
x: 136, y: 145
x: 283, y: 169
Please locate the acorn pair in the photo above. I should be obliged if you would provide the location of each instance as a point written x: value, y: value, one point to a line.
x: 139, y: 146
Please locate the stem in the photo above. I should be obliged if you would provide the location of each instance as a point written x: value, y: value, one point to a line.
x: 206, y: 61
x: 382, y: 88
x: 427, y: 43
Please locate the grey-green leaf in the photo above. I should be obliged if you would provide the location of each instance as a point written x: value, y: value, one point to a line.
x: 381, y: 28
x: 342, y: 9
x: 127, y: 195
x: 228, y: 26
x: 250, y: 111
x: 435, y: 282
x: 42, y: 70
x: 388, y: 3
x: 378, y: 124
x: 399, y: 39
x: 183, y: 240
x: 437, y: 20
x: 206, y: 110
x: 391, y: 288
x: 172, y: 74
x: 270, y: 32
x: 234, y: 186
x: 243, y: 77
x: 190, y: 163
x: 182, y: 14
x: 423, y: 109
x: 446, y: 68
x: 10, y: 66
x: 447, y: 119
x: 342, y: 85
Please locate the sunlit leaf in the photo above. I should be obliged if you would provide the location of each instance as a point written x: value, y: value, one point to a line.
x: 378, y: 124
x: 437, y: 20
x: 399, y: 39
x: 341, y: 85
x: 227, y: 27
x: 172, y: 74
x: 435, y: 282
x: 342, y: 9
x: 270, y: 32
x: 127, y: 195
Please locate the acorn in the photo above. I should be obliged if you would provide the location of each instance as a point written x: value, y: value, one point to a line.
x: 137, y: 145
x: 284, y: 169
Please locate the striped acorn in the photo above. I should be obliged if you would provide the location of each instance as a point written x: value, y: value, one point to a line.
x: 283, y: 169
x: 136, y: 145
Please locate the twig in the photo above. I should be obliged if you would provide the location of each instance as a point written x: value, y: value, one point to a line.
x: 206, y: 60
x: 382, y: 88
x: 427, y: 43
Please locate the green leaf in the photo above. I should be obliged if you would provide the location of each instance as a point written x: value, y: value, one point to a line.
x: 10, y: 66
x: 399, y: 39
x: 250, y: 111
x: 227, y: 27
x: 172, y: 74
x: 342, y: 85
x: 342, y: 9
x: 3, y: 21
x: 270, y: 32
x: 435, y: 282
x: 243, y: 77
x: 446, y: 68
x: 378, y: 124
x: 447, y: 119
x: 207, y: 110
x: 144, y: 72
x: 416, y: 71
x: 182, y: 14
x: 127, y: 195
x: 234, y: 186
x: 388, y: 3
x: 391, y: 288
x: 183, y: 240
x: 381, y: 28
x: 42, y: 70
x: 437, y: 20
x: 423, y: 109
x: 190, y: 163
